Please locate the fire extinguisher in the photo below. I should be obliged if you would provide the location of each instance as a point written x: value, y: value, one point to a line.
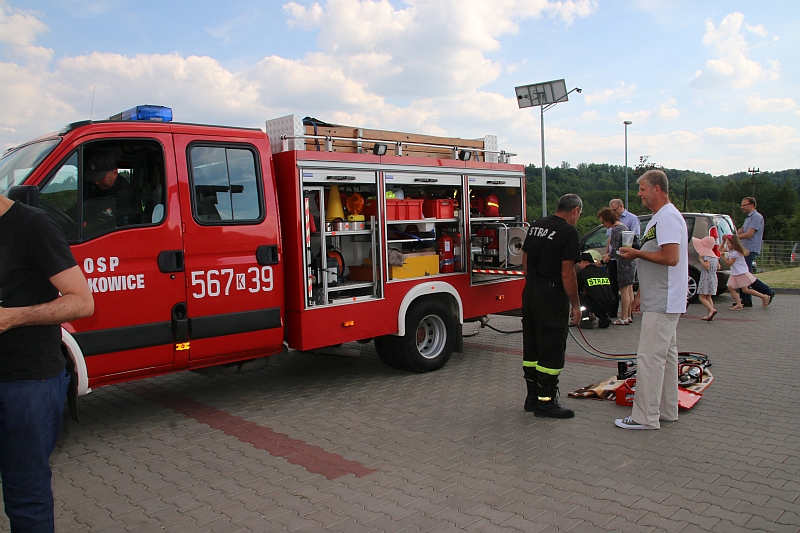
x: 446, y: 254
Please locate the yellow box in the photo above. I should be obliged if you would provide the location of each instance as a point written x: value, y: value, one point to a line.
x: 416, y: 266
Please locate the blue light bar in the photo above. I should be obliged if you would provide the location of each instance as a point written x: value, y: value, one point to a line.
x: 154, y: 113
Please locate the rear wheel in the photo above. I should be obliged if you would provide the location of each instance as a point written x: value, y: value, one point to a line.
x: 430, y: 336
x: 385, y: 346
x: 691, y: 291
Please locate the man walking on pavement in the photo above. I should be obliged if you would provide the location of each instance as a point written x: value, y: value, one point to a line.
x: 549, y: 255
x: 751, y: 234
x: 35, y: 265
x: 662, y: 266
x: 631, y: 221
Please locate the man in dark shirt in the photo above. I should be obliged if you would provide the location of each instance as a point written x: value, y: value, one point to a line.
x: 550, y: 252
x: 109, y: 200
x: 595, y: 290
x: 35, y: 265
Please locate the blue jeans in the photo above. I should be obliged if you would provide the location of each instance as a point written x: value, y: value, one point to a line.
x: 758, y: 286
x: 30, y: 421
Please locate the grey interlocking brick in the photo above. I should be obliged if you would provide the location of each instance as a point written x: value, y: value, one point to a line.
x: 453, y: 449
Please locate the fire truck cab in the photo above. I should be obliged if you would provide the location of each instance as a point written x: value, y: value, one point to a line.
x: 211, y: 246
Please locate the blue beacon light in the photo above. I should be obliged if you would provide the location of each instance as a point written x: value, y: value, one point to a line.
x: 153, y: 113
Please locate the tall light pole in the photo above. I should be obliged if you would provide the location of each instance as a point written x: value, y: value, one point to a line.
x: 627, y: 123
x: 545, y: 95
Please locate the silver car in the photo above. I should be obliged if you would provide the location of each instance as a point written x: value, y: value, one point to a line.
x: 698, y: 225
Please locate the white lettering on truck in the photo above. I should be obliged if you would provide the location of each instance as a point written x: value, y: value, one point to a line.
x: 125, y: 282
x: 216, y: 282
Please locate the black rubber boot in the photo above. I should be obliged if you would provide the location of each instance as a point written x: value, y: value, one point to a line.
x: 547, y: 406
x: 530, y: 399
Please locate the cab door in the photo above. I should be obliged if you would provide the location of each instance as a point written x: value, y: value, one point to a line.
x: 231, y: 245
x: 128, y: 247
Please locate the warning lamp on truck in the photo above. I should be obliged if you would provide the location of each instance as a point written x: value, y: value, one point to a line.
x: 153, y: 113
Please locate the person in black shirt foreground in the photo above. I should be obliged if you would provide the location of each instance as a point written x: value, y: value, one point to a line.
x: 35, y: 265
x: 595, y: 291
x: 550, y: 252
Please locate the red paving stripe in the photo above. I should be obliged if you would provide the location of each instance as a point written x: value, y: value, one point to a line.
x: 518, y: 351
x: 312, y: 458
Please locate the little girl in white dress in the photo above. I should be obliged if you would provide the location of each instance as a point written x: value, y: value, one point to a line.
x: 740, y: 278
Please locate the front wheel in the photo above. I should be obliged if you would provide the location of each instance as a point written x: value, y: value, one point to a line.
x: 430, y: 336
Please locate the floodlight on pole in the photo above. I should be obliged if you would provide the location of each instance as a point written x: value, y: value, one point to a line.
x: 544, y: 95
x: 627, y: 123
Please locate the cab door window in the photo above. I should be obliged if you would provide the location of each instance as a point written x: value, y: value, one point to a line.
x: 225, y: 184
x: 60, y: 197
x: 105, y: 186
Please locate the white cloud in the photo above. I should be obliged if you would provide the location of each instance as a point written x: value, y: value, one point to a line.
x: 18, y: 30
x: 421, y: 54
x: 756, y: 104
x: 758, y: 30
x: 590, y: 115
x: 667, y: 110
x: 369, y: 52
x: 731, y: 66
x: 621, y: 92
x: 634, y: 116
x: 752, y: 134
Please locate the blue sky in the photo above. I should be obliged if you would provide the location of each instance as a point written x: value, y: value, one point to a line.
x: 710, y: 86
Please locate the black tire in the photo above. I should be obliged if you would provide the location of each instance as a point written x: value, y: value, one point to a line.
x: 385, y: 346
x: 691, y: 292
x: 430, y: 336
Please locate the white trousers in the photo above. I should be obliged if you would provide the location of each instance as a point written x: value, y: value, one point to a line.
x: 656, y: 396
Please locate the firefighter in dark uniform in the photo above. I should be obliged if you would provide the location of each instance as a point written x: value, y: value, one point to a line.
x: 595, y: 292
x: 550, y: 252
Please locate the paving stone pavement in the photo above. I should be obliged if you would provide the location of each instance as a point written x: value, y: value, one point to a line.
x: 323, y: 443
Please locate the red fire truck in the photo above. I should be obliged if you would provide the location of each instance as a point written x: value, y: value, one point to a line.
x: 235, y: 247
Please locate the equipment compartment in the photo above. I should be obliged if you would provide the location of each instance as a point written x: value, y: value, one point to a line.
x: 334, y: 227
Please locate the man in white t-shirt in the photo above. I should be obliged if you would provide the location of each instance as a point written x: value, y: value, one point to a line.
x: 663, y: 262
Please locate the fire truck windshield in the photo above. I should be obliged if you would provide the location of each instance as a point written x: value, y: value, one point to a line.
x: 18, y: 163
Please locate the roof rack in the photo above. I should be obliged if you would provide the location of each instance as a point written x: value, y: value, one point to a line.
x: 295, y: 133
x: 458, y: 152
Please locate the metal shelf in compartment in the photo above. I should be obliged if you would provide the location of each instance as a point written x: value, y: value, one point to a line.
x: 348, y: 285
x: 494, y: 219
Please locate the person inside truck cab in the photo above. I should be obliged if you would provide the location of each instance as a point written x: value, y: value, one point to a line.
x: 109, y: 200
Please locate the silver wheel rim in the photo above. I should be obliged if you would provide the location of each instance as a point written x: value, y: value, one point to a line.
x: 431, y: 336
x: 691, y: 288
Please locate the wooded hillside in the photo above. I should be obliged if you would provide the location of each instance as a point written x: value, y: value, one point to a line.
x: 775, y: 192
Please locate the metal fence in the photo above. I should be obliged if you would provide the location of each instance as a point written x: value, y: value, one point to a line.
x: 778, y: 254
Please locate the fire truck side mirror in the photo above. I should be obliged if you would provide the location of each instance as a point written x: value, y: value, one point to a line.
x: 27, y: 194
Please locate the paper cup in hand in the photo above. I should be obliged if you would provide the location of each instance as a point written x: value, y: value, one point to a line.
x: 627, y: 238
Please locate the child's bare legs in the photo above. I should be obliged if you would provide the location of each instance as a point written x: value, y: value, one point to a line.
x: 626, y: 298
x: 736, y: 299
x: 764, y: 297
x: 707, y: 302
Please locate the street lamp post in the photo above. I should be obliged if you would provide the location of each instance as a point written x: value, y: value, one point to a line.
x: 627, y: 123
x: 545, y: 95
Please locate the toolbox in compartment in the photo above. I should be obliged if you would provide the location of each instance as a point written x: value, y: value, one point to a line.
x: 416, y: 265
x: 408, y: 209
x: 443, y: 208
